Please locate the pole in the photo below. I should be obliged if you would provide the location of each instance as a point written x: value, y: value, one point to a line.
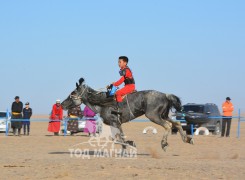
x: 7, y: 123
x: 239, y: 124
x: 192, y: 130
x: 65, y: 127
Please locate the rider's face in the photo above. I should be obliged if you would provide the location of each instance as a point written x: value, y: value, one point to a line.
x: 121, y: 63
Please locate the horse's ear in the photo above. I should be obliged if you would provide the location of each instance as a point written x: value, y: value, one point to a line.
x: 81, y: 80
x: 77, y: 85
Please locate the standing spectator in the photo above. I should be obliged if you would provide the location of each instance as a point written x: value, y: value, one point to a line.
x: 228, y: 108
x: 27, y: 113
x: 17, y: 107
x: 90, y: 126
x: 56, y: 117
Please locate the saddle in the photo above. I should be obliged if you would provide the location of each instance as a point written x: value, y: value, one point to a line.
x: 123, y: 97
x: 135, y: 91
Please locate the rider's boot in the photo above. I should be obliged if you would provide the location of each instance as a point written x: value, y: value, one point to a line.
x: 119, y: 105
x: 118, y: 109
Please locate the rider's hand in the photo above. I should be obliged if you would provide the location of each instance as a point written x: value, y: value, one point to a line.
x: 109, y: 86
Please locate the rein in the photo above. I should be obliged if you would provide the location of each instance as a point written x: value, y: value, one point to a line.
x: 101, y: 90
x: 80, y: 96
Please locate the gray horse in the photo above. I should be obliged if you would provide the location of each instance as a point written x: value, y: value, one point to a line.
x: 153, y: 104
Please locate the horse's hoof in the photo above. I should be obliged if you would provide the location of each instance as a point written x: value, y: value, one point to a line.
x: 192, y: 141
x: 165, y: 146
x: 131, y: 143
x: 188, y: 139
x: 116, y: 142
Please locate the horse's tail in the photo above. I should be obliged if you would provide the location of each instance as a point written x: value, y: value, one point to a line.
x: 174, y: 102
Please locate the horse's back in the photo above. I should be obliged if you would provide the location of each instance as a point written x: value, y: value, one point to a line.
x: 147, y: 94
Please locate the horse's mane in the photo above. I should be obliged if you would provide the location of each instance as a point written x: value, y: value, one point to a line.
x: 98, y: 98
x: 90, y: 90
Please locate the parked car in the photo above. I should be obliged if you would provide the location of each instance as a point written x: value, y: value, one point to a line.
x: 200, y: 115
x: 82, y: 123
x: 3, y: 118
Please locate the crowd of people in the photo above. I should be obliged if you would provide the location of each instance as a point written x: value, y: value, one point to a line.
x: 20, y: 118
x: 74, y: 114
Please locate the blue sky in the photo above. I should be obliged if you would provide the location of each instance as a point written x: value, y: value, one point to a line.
x: 194, y: 49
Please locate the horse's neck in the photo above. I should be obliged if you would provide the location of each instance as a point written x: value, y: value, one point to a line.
x: 98, y: 109
x: 91, y: 90
x: 94, y: 108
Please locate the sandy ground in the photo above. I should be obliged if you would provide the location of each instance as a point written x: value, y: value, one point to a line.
x: 43, y: 156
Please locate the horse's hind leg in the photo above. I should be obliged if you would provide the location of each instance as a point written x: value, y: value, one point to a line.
x: 167, y: 127
x: 185, y: 138
x: 164, y: 141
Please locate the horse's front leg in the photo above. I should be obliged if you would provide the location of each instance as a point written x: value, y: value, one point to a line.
x: 121, y: 138
x: 118, y: 136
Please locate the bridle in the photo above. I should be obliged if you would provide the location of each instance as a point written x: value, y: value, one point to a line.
x: 75, y: 97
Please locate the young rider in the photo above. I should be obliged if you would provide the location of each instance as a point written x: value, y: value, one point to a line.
x: 126, y: 78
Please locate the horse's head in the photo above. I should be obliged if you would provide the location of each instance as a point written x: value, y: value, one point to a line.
x: 76, y: 97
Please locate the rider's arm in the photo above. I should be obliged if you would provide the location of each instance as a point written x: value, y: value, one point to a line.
x: 119, y: 82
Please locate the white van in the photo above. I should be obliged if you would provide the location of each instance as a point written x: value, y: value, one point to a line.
x: 3, y: 118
